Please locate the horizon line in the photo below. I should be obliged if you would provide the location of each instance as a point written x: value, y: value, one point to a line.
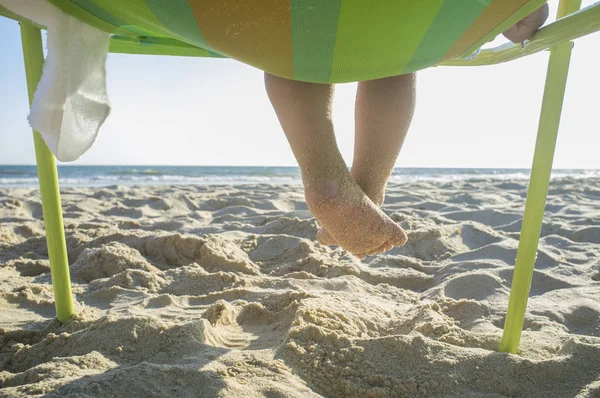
x: 287, y: 166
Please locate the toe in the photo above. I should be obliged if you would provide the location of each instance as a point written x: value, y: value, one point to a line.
x: 385, y: 247
x: 399, y: 237
x: 379, y: 250
x: 360, y: 256
x: 325, y: 238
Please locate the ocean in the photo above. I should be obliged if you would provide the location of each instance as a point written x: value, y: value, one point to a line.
x: 26, y: 176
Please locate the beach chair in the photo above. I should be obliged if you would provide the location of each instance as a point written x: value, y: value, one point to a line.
x: 328, y: 42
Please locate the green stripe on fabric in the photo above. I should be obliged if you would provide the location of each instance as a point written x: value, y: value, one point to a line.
x: 99, y: 12
x: 177, y: 16
x: 83, y: 15
x: 137, y: 15
x: 157, y: 46
x: 372, y: 42
x: 453, y: 19
x: 314, y: 28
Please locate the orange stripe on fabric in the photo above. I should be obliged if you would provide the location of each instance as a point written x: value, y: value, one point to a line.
x: 490, y: 18
x: 256, y: 32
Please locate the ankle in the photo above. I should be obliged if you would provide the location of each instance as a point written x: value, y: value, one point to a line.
x: 374, y: 189
x: 320, y: 192
x: 377, y: 195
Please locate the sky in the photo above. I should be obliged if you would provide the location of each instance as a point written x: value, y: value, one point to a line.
x: 195, y: 111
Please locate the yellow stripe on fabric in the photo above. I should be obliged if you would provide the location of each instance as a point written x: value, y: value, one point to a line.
x: 378, y: 39
x: 256, y: 32
x: 494, y: 15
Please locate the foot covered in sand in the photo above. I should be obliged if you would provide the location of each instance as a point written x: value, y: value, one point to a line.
x: 351, y: 220
x: 377, y: 195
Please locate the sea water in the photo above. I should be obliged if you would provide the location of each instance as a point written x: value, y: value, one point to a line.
x: 26, y: 176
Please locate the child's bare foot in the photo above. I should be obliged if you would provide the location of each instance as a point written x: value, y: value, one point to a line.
x: 383, y: 113
x: 376, y: 194
x: 332, y: 195
x: 352, y: 220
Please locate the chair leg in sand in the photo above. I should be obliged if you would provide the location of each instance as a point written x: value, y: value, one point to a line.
x: 556, y: 81
x: 33, y: 55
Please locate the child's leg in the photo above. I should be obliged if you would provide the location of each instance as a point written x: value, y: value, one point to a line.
x: 354, y: 221
x: 383, y: 112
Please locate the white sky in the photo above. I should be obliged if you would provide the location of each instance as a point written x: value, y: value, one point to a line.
x: 194, y: 111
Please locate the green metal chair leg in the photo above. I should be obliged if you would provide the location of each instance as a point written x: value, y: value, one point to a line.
x: 554, y: 91
x: 33, y: 55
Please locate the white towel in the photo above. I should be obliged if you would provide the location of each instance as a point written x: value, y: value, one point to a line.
x: 70, y: 103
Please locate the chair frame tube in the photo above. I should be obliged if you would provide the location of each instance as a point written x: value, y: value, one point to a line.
x: 554, y: 92
x: 33, y: 55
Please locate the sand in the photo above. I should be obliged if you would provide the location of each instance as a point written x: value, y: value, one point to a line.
x: 223, y: 291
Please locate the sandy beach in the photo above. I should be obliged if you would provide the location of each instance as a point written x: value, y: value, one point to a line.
x: 222, y: 291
